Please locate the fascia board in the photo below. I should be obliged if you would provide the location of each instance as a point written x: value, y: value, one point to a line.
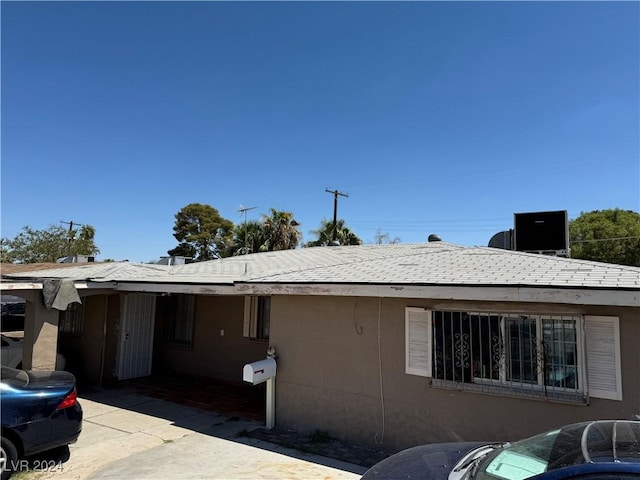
x: 17, y: 286
x: 622, y: 298
x: 198, y: 289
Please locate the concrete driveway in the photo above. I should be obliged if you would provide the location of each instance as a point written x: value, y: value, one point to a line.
x: 127, y: 435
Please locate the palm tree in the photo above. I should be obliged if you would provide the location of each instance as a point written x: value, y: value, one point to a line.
x: 248, y: 237
x: 280, y: 230
x: 344, y: 235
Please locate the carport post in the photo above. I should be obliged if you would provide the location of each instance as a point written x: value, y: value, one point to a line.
x: 40, y: 336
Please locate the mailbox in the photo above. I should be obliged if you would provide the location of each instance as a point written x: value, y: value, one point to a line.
x: 260, y: 371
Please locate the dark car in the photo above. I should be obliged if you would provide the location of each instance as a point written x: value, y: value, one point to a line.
x: 602, y: 449
x: 12, y: 309
x: 40, y: 411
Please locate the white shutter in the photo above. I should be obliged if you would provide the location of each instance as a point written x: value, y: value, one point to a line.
x: 604, y: 378
x: 418, y: 341
x: 250, y: 316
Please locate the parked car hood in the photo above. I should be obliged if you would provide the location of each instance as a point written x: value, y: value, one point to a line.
x: 428, y: 462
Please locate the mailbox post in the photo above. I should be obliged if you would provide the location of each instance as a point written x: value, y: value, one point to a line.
x: 259, y: 372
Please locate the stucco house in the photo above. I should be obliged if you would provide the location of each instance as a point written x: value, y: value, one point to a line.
x: 386, y: 345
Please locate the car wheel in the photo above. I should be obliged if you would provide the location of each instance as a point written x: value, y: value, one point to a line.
x: 8, y: 458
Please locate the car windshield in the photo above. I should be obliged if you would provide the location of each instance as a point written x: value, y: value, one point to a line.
x: 587, y: 442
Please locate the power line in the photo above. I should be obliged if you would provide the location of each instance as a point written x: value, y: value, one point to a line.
x: 71, y: 223
x: 604, y: 239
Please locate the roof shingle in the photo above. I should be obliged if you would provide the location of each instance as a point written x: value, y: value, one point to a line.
x: 436, y: 263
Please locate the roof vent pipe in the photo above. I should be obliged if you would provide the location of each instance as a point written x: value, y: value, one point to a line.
x: 434, y: 238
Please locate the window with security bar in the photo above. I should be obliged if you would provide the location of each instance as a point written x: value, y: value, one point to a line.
x: 558, y: 357
x: 530, y: 354
x: 71, y: 321
x: 179, y: 319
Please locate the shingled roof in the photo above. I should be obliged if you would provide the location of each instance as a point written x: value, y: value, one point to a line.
x: 436, y: 263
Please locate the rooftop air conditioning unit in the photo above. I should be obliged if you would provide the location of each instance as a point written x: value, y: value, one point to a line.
x: 542, y: 232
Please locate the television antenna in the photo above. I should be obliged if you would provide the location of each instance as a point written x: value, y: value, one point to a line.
x: 243, y: 211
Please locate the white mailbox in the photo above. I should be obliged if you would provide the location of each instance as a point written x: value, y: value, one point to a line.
x: 260, y: 371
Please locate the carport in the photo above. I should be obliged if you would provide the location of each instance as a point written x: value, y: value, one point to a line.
x: 40, y: 323
x: 93, y: 334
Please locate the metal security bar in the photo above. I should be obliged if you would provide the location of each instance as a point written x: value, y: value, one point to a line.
x: 523, y: 355
x: 71, y: 321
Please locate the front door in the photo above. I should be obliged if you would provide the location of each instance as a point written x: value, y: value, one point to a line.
x: 136, y: 336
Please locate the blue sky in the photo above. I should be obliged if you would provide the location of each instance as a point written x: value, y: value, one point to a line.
x: 434, y: 117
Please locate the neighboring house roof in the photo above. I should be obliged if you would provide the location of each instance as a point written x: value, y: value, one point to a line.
x: 9, y: 268
x: 109, y: 271
x: 436, y: 264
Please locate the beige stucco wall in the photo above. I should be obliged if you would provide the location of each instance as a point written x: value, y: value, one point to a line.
x: 219, y: 349
x: 212, y: 355
x: 341, y: 370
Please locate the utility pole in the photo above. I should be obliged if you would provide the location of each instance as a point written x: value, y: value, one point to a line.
x: 244, y: 210
x: 70, y: 229
x: 335, y: 193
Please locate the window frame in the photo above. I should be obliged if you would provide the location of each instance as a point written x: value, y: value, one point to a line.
x: 179, y: 307
x: 257, y: 318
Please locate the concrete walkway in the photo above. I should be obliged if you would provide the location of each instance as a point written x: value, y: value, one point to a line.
x: 127, y: 435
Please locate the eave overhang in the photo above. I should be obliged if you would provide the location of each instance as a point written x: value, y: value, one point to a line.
x: 488, y: 293
x: 606, y: 296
